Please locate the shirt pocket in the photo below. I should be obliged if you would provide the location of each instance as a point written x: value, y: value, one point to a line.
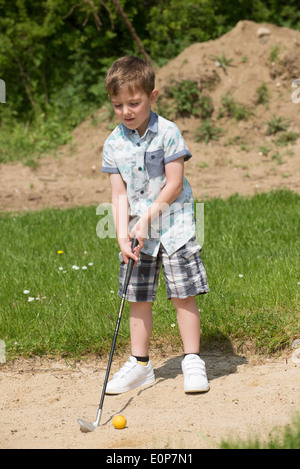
x: 154, y: 162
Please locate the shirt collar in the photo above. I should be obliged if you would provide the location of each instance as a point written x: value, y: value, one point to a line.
x: 152, y: 126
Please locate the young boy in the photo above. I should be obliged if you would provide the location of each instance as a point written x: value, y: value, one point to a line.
x: 152, y: 200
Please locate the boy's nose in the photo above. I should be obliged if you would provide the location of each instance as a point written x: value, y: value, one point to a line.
x: 126, y: 111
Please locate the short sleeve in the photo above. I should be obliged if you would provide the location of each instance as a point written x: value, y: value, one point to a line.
x: 108, y: 160
x: 174, y: 145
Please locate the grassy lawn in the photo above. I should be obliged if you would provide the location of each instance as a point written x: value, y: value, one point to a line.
x: 251, y: 253
x: 285, y: 438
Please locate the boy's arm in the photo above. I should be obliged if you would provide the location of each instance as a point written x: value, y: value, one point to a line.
x: 121, y: 216
x: 172, y: 189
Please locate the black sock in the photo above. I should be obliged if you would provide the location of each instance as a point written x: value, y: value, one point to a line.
x: 142, y: 360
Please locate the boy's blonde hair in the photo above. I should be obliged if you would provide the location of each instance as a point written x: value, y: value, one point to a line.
x: 131, y: 72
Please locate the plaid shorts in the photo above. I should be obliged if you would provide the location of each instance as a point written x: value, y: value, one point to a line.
x: 184, y: 274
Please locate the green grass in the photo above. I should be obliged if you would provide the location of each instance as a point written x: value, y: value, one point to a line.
x: 286, y: 438
x: 251, y: 253
x: 257, y: 238
x: 27, y: 142
x: 234, y: 109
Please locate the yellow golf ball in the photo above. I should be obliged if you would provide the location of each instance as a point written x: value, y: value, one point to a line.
x: 119, y: 421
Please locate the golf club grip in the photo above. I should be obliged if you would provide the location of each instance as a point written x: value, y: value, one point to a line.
x: 130, y: 264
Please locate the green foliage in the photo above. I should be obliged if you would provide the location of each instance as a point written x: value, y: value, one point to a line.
x: 207, y: 132
x: 222, y: 61
x: 233, y: 109
x: 276, y: 124
x: 174, y: 24
x: 274, y: 54
x: 27, y: 142
x: 286, y: 138
x: 187, y: 100
x: 262, y: 94
x: 51, y: 66
x: 46, y: 60
x: 285, y: 438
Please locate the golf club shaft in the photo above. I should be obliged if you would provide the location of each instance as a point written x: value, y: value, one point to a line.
x: 124, y: 291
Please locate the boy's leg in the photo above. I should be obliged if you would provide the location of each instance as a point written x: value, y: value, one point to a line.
x: 188, y: 319
x: 138, y: 370
x: 193, y: 367
x: 141, y: 322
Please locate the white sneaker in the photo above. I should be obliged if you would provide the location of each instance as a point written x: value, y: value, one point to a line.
x: 130, y: 376
x: 195, y: 379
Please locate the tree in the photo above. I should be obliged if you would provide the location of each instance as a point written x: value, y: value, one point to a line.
x: 90, y: 7
x: 132, y: 30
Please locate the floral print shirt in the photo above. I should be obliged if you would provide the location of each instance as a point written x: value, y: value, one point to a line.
x: 141, y: 163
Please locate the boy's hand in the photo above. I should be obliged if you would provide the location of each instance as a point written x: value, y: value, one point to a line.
x: 140, y: 231
x: 126, y: 251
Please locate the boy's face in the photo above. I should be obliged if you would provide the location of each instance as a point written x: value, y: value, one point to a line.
x: 133, y: 108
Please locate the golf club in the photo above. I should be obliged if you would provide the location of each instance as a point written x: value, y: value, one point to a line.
x: 86, y: 426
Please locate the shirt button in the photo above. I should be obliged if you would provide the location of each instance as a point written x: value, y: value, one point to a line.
x: 138, y: 144
x: 142, y: 192
x: 140, y: 168
x: 152, y: 157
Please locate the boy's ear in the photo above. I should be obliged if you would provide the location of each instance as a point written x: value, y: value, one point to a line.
x: 154, y: 96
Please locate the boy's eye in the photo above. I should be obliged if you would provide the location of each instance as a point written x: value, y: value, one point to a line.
x: 133, y: 104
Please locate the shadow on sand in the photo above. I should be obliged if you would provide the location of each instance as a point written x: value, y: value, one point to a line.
x: 221, y: 361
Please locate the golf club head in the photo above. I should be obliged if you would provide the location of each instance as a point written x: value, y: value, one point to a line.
x: 86, y: 426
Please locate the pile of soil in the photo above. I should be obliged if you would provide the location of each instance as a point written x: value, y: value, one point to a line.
x: 41, y: 399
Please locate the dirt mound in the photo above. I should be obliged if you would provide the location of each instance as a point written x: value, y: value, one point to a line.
x: 249, y: 45
x: 244, y: 160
